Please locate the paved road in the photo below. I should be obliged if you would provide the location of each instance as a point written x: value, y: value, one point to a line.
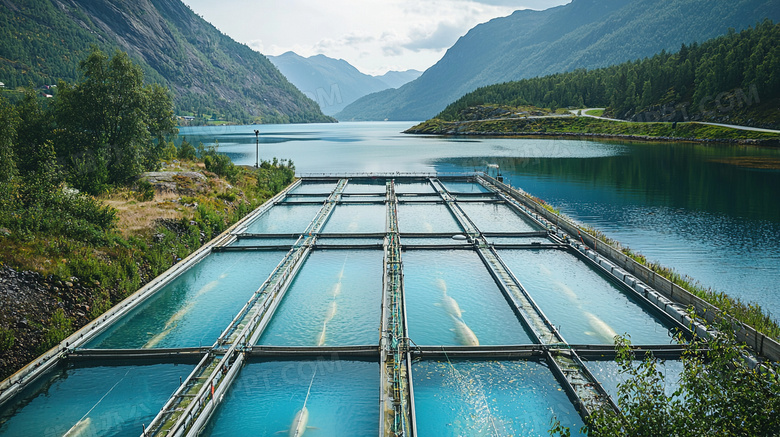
x: 733, y: 126
x: 756, y: 129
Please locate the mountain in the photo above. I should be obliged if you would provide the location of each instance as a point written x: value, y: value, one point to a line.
x: 396, y: 79
x: 334, y: 83
x: 42, y: 41
x: 736, y: 81
x: 582, y: 34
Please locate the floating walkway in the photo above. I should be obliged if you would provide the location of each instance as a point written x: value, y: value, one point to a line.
x: 544, y: 278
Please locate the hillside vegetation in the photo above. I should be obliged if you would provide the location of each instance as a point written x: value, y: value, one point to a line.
x: 84, y: 218
x: 582, y: 34
x: 733, y: 78
x: 208, y: 73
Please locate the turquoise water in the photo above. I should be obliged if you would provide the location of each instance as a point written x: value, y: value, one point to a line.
x: 414, y: 188
x: 496, y: 217
x: 464, y: 187
x: 351, y: 241
x: 194, y: 308
x: 314, y: 188
x: 518, y: 240
x: 587, y: 308
x: 242, y: 242
x: 307, y: 199
x: 488, y: 398
x: 362, y: 198
x: 448, y: 293
x: 335, y: 300
x: 356, y: 186
x: 430, y: 241
x: 284, y: 219
x: 344, y: 399
x: 93, y: 401
x: 420, y: 198
x: 685, y: 205
x: 608, y: 374
x: 430, y: 218
x: 357, y: 219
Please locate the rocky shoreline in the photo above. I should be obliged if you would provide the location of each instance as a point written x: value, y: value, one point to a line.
x: 451, y: 132
x: 27, y: 302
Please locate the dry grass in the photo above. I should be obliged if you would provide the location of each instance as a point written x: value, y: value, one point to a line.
x: 135, y: 216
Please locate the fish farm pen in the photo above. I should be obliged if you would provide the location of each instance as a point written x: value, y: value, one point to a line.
x: 392, y: 305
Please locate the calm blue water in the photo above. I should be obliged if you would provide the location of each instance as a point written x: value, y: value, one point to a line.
x: 452, y: 299
x: 496, y: 218
x: 194, y: 308
x: 488, y: 398
x: 344, y: 399
x: 586, y: 307
x: 335, y: 300
x: 464, y: 187
x: 284, y: 219
x: 351, y: 219
x: 93, y: 401
x: 608, y: 374
x: 687, y: 206
x: 314, y: 188
x: 426, y: 218
x: 414, y: 188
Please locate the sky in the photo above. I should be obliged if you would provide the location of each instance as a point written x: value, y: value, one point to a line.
x: 373, y: 35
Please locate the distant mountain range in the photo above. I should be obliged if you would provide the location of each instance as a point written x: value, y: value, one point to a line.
x: 334, y: 83
x: 209, y: 73
x: 582, y: 34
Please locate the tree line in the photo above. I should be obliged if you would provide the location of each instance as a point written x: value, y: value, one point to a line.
x: 95, y: 134
x: 691, y: 79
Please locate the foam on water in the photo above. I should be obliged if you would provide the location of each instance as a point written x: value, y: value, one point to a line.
x: 489, y: 398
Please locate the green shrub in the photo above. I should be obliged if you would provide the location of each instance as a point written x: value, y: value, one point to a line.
x: 60, y: 326
x: 187, y: 151
x: 6, y: 339
x: 145, y: 191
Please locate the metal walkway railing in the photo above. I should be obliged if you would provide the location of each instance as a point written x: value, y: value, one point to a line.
x: 399, y: 418
x: 196, y: 399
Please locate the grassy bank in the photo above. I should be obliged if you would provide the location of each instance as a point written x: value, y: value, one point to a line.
x: 587, y: 126
x: 81, y: 270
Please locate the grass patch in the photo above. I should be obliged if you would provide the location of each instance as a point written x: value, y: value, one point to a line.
x: 586, y: 125
x: 595, y: 112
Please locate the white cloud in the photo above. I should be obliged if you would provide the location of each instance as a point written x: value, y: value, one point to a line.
x: 372, y: 35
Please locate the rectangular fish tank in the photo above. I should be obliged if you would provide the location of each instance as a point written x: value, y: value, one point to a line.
x: 324, y: 396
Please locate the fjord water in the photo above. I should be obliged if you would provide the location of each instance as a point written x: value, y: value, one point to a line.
x: 697, y: 208
x: 488, y: 398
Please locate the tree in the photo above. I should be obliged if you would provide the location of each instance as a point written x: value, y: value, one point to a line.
x: 721, y: 392
x: 8, y: 122
x: 108, y: 123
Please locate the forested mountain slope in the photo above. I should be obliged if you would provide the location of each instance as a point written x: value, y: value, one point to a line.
x: 735, y: 77
x: 42, y: 41
x: 582, y: 34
